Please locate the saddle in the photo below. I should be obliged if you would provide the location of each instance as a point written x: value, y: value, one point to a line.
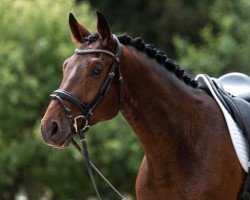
x: 233, y: 90
x: 237, y: 84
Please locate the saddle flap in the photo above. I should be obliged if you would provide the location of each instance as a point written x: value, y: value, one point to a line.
x: 237, y: 107
x: 237, y: 116
x: 240, y: 111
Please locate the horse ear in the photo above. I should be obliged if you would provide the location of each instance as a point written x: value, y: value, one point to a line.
x: 104, y: 30
x: 78, y: 31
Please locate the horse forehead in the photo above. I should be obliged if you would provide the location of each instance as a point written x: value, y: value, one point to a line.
x: 88, y: 58
x: 91, y: 45
x: 77, y: 60
x: 79, y: 65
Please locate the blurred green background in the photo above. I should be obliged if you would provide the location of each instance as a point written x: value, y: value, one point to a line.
x: 205, y: 36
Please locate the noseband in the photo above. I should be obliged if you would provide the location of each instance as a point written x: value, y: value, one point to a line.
x: 87, y: 110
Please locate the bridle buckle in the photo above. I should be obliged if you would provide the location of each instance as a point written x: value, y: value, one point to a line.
x: 85, y: 125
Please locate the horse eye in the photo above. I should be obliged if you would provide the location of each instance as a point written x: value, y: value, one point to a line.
x: 96, y: 71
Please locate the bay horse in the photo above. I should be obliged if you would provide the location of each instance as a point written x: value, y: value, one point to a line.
x: 188, y: 151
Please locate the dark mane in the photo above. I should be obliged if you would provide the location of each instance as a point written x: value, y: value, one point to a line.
x: 153, y: 53
x: 160, y: 56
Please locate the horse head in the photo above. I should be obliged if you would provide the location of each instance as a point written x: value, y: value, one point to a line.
x: 88, y: 75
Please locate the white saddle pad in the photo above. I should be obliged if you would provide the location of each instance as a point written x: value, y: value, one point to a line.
x: 238, y: 139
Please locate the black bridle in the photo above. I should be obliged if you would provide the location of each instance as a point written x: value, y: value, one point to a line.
x: 87, y: 110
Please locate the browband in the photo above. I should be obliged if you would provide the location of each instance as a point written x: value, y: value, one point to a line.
x: 115, y: 55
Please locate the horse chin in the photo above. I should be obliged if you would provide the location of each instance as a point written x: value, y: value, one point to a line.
x: 59, y: 145
x: 65, y: 143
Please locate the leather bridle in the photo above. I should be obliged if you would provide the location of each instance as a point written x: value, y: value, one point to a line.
x: 87, y: 110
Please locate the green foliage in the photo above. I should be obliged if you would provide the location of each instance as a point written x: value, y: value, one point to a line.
x: 225, y: 43
x: 35, y: 40
x: 156, y: 21
x: 34, y: 43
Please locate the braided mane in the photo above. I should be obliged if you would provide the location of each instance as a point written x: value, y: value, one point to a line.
x: 153, y: 53
x: 159, y: 56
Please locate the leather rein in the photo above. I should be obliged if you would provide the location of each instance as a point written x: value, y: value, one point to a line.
x: 87, y: 110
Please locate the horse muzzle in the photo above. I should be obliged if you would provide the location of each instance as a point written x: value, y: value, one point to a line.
x: 54, y: 134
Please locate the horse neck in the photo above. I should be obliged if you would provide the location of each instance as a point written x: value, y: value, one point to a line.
x: 157, y: 105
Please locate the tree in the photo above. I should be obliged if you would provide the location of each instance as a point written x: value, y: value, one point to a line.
x: 35, y: 40
x: 225, y: 45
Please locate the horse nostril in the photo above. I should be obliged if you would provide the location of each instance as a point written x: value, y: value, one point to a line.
x: 54, y: 128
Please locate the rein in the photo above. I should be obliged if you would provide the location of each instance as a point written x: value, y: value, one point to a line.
x: 87, y: 111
